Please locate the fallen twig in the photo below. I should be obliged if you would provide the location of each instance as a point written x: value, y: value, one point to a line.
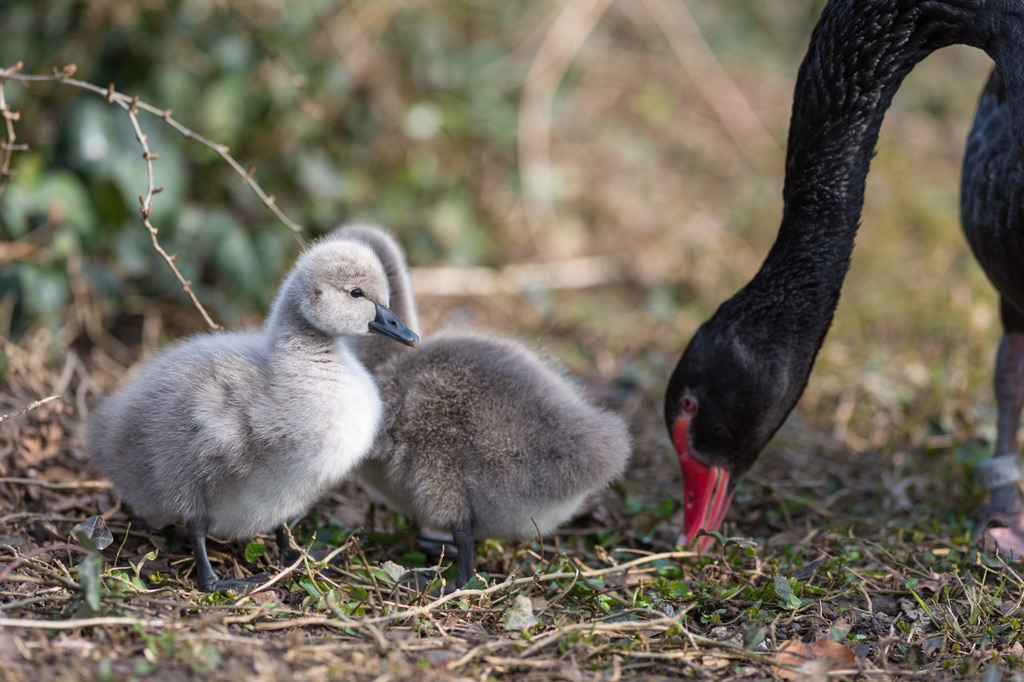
x: 659, y: 624
x: 426, y: 609
x: 28, y: 408
x: 70, y: 485
x: 26, y: 558
x: 570, y: 273
x: 74, y: 623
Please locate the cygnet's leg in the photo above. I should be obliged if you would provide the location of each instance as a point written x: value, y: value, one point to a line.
x: 462, y: 531
x: 1002, y: 517
x: 207, y: 579
x: 289, y: 553
x: 286, y: 552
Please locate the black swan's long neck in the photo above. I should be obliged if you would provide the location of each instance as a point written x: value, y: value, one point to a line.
x: 750, y: 362
x: 858, y: 56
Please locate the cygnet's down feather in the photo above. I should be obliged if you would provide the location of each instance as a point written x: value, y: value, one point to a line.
x: 479, y: 435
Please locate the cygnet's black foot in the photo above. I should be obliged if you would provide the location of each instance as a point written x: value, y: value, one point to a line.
x: 287, y: 552
x: 291, y: 555
x: 241, y: 586
x: 465, y: 558
x: 434, y: 543
x: 288, y: 557
x: 206, y: 579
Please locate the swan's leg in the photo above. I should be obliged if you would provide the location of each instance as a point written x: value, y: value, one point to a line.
x: 1009, y: 385
x: 207, y: 579
x: 464, y: 546
x: 1002, y: 474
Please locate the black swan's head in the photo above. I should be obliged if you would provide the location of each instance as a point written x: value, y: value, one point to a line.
x: 730, y: 392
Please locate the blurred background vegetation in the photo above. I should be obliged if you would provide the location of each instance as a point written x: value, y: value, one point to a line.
x: 649, y: 134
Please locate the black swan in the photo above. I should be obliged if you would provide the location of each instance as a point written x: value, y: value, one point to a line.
x: 236, y: 433
x: 747, y: 365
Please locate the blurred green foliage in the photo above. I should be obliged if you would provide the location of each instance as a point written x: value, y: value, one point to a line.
x: 403, y: 113
x: 350, y: 111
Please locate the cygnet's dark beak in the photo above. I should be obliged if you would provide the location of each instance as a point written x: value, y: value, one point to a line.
x: 388, y: 324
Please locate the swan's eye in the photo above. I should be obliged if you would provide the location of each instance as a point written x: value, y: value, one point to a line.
x: 356, y: 293
x: 688, y: 404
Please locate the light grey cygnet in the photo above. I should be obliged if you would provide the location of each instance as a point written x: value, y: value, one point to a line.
x: 479, y: 435
x: 236, y: 433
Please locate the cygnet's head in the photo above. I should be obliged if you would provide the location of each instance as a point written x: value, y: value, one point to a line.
x: 341, y: 289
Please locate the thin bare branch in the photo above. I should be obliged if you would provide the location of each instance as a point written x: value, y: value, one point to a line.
x: 564, y: 39
x: 75, y: 623
x: 10, y: 140
x: 146, y: 208
x: 70, y: 485
x: 132, y: 105
x: 726, y: 98
x: 28, y: 408
x: 110, y: 94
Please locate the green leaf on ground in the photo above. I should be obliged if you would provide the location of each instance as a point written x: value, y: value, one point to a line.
x: 311, y: 588
x: 520, y: 616
x: 92, y: 585
x: 393, y: 571
x: 254, y: 550
x: 784, y: 591
x: 93, y: 534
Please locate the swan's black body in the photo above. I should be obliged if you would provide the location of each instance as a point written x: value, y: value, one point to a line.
x: 747, y: 365
x: 992, y: 213
x: 992, y: 197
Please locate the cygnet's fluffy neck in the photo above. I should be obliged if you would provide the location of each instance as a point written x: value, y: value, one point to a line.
x: 287, y: 326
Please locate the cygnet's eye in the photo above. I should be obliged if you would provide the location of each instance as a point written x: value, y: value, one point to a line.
x: 356, y: 293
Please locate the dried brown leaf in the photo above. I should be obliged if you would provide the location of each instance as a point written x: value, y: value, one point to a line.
x: 795, y: 652
x: 41, y: 442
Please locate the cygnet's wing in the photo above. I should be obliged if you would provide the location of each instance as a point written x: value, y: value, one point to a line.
x: 487, y: 421
x: 191, y: 417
